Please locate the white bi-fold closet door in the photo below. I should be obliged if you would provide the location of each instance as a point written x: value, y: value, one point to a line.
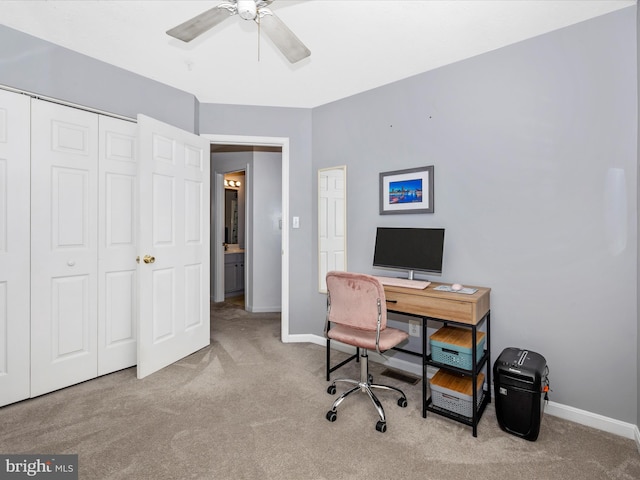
x: 83, y: 245
x: 103, y: 192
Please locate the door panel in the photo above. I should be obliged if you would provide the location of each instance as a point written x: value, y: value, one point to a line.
x: 193, y: 293
x: 70, y: 317
x: 332, y: 243
x: 163, y: 304
x: 174, y: 220
x: 163, y: 195
x: 14, y: 247
x: 70, y: 216
x: 117, y: 279
x: 64, y: 166
x: 192, y: 213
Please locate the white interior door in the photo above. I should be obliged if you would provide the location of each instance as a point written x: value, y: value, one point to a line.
x: 14, y: 247
x: 173, y: 288
x: 332, y: 225
x: 64, y: 207
x: 117, y: 272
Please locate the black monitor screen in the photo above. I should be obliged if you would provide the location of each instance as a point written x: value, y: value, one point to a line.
x: 419, y: 249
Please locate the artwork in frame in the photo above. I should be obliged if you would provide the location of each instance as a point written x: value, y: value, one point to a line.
x: 407, y: 191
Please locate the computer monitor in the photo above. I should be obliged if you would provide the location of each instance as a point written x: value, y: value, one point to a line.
x: 409, y: 249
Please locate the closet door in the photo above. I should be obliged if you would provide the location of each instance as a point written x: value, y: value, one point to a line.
x: 117, y: 289
x: 174, y: 237
x: 64, y: 207
x: 14, y: 247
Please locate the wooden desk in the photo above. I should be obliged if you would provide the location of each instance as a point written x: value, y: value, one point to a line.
x: 447, y: 307
x: 457, y: 307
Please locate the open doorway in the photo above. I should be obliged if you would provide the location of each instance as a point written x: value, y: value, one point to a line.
x: 235, y: 214
x: 255, y: 174
x: 252, y: 214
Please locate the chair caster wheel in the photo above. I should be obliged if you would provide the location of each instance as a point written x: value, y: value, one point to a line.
x: 331, y: 416
x: 402, y: 402
x: 331, y: 390
x: 381, y: 426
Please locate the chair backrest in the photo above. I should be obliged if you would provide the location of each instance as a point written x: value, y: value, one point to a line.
x: 354, y: 300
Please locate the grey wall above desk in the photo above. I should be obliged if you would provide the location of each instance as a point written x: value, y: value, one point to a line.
x: 527, y: 142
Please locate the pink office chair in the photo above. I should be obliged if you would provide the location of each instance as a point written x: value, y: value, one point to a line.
x: 357, y: 315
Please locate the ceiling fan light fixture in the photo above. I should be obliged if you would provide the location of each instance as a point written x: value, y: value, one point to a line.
x: 247, y: 9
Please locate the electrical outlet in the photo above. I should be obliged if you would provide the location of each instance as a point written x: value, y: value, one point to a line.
x: 414, y: 328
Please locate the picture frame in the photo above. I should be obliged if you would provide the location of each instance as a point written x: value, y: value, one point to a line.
x: 407, y: 191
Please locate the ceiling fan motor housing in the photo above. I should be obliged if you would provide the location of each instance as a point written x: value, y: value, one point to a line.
x: 247, y: 9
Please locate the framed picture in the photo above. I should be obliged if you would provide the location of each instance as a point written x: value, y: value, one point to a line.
x: 407, y: 191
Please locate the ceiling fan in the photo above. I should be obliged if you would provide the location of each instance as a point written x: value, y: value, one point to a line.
x: 256, y: 10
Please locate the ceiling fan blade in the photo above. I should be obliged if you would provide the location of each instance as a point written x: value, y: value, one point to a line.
x: 285, y: 39
x: 199, y: 24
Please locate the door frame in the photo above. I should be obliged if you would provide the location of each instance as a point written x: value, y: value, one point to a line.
x: 217, y: 233
x: 218, y: 251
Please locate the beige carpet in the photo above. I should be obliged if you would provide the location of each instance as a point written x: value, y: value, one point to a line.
x: 250, y: 407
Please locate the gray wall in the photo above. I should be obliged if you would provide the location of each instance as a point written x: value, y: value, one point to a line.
x: 32, y: 65
x: 266, y: 233
x: 294, y: 124
x: 535, y: 155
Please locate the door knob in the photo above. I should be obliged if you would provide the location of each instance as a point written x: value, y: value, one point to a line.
x: 148, y: 259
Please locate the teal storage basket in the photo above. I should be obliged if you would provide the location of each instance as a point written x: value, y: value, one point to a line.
x: 456, y: 355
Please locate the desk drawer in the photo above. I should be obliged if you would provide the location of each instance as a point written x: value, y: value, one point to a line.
x: 446, y: 309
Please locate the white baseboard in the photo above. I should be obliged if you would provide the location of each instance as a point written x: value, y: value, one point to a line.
x: 305, y: 338
x: 583, y: 417
x: 594, y: 420
x: 274, y: 309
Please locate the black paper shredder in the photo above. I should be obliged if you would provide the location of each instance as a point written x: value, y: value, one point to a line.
x: 520, y: 381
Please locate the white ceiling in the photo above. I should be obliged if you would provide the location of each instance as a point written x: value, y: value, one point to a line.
x: 355, y: 45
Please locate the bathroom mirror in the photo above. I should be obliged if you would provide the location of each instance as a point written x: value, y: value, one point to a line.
x: 231, y: 215
x: 332, y: 222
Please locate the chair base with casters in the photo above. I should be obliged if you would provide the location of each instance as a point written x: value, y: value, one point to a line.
x: 365, y: 385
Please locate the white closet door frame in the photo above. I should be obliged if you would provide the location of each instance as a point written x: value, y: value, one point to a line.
x: 14, y: 247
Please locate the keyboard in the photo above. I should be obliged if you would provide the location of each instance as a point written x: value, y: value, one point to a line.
x: 403, y: 282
